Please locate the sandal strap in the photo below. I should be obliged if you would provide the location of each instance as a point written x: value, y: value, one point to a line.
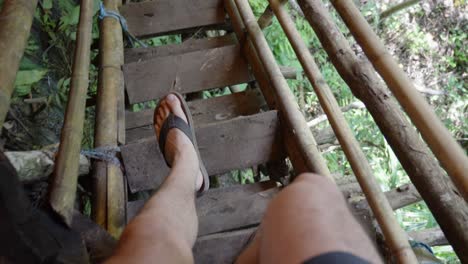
x: 172, y: 121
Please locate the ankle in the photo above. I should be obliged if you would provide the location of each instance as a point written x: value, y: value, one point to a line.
x: 186, y: 156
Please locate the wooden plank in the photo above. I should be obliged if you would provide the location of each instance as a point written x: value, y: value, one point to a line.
x: 232, y: 214
x: 99, y: 242
x: 207, y: 111
x: 238, y: 143
x: 226, y: 208
x: 188, y: 72
x: 141, y: 54
x: 216, y: 195
x: 163, y: 16
x: 222, y: 248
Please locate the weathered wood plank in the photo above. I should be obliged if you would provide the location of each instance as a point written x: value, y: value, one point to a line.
x: 222, y: 248
x: 226, y: 208
x: 216, y: 195
x: 188, y: 72
x: 99, y: 242
x: 141, y: 54
x: 203, y: 111
x: 164, y: 16
x: 238, y: 143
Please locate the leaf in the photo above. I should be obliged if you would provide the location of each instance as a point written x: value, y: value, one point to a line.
x: 22, y: 90
x: 28, y: 64
x: 71, y: 19
x: 47, y: 4
x: 28, y: 77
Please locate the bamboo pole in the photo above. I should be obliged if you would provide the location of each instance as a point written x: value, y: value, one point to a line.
x: 265, y: 85
x: 440, y: 140
x: 15, y: 23
x: 64, y: 180
x: 109, y: 185
x: 424, y: 171
x: 295, y: 122
x: 394, y: 235
x: 396, y: 8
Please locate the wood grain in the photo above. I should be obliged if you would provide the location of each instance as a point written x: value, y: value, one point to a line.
x: 226, y: 208
x: 140, y: 124
x: 141, y: 54
x: 234, y: 144
x: 164, y: 16
x: 184, y: 73
x: 222, y: 248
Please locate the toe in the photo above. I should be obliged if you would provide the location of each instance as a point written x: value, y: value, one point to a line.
x: 165, y: 110
x: 159, y: 120
x: 174, y: 104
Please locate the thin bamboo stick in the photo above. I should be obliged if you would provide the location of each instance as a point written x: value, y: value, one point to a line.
x: 64, y: 180
x: 395, y: 236
x: 109, y: 186
x: 283, y: 97
x: 396, y: 8
x: 423, y: 169
x: 15, y: 23
x: 264, y: 20
x: 439, y: 139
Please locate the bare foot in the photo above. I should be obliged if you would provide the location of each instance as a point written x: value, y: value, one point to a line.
x: 178, y: 145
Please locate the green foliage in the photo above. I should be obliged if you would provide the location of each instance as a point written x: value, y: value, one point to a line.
x: 458, y: 39
x: 28, y: 76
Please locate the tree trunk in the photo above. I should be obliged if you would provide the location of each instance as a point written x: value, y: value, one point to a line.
x: 448, y: 207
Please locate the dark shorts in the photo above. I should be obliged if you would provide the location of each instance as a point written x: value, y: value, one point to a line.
x: 336, y: 257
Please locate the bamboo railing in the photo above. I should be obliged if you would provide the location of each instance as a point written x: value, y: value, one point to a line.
x: 64, y: 180
x: 15, y: 23
x: 436, y: 135
x: 415, y: 157
x: 108, y: 181
x: 287, y: 105
x: 396, y: 237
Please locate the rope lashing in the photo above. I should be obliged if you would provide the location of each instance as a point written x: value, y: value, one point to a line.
x: 103, y: 13
x: 103, y: 153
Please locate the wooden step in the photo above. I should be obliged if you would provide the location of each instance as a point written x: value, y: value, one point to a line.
x: 187, y: 72
x: 140, y: 124
x: 227, y: 145
x: 190, y: 45
x: 226, y: 209
x: 222, y: 248
x: 153, y: 18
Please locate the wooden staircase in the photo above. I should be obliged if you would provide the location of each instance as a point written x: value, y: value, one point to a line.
x: 233, y: 131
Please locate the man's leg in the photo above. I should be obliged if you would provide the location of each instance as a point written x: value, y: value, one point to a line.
x: 166, y: 228
x: 308, y: 218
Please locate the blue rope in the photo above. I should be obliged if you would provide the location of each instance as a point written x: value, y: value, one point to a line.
x: 417, y: 244
x: 103, y: 153
x: 103, y: 13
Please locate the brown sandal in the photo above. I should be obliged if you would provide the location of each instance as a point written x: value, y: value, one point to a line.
x: 173, y: 121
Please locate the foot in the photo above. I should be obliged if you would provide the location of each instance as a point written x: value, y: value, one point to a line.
x: 178, y: 146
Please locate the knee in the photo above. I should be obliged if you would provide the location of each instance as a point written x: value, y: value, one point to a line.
x: 313, y: 184
x: 308, y: 189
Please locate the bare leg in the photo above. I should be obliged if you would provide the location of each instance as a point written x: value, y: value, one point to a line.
x: 166, y: 228
x: 308, y: 218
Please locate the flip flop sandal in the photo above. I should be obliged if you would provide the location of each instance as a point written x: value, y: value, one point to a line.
x: 173, y: 121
